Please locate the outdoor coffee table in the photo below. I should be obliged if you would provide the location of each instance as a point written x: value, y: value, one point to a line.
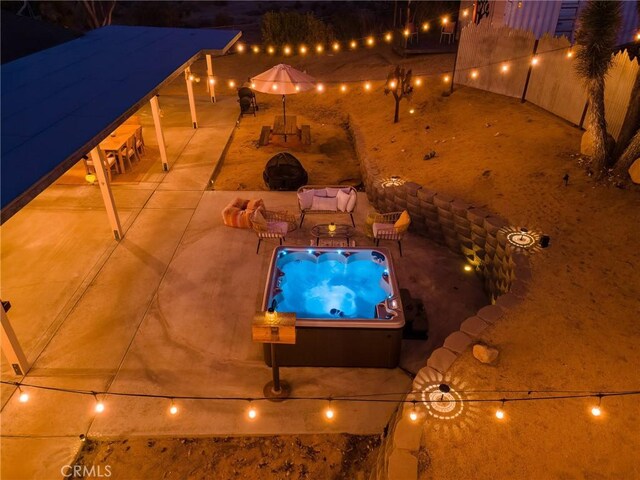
x: 325, y: 231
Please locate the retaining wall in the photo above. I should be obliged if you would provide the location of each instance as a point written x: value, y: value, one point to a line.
x: 475, y: 234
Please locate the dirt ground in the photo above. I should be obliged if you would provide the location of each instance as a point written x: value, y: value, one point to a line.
x: 577, y: 329
x: 324, y: 457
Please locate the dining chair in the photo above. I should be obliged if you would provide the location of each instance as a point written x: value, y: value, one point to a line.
x: 139, y: 141
x: 391, y: 226
x: 448, y: 30
x: 111, y: 162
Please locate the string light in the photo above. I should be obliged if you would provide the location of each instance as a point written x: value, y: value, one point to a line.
x: 388, y: 37
x: 297, y: 88
x: 253, y: 84
x: 255, y: 49
x: 252, y: 413
x: 465, y: 12
x: 271, y: 50
x: 303, y: 49
x: 367, y: 86
x: 173, y: 409
x: 534, y: 61
x: 500, y: 412
x: 320, y: 88
x: 192, y: 77
x: 638, y: 37
x: 412, y: 111
x: 413, y: 415
x: 274, y: 86
x: 406, y: 32
x: 425, y: 27
x: 24, y: 396
x: 445, y: 79
x: 353, y: 44
x: 570, y: 53
x: 99, y: 408
x: 370, y: 41
x: 474, y: 74
x: 596, y: 411
x: 392, y: 84
x: 232, y: 83
x: 335, y: 46
x: 504, y: 68
x: 240, y: 48
x: 418, y: 82
x: 343, y: 88
x: 212, y: 81
x: 319, y: 48
x: 287, y: 50
x: 329, y: 412
x: 445, y: 20
x: 468, y: 268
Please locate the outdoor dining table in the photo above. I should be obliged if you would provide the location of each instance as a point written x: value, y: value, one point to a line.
x: 282, y: 127
x: 117, y: 140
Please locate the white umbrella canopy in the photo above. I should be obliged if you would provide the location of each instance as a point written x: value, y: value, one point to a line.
x: 283, y: 80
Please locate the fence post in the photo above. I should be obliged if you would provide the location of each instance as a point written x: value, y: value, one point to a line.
x: 455, y: 60
x: 526, y: 82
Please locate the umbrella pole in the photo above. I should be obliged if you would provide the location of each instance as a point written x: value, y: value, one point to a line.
x: 284, y: 112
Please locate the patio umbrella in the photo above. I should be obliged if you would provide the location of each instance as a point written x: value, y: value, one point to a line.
x: 283, y: 80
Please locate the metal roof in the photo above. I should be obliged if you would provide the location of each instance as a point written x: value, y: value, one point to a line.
x: 59, y: 103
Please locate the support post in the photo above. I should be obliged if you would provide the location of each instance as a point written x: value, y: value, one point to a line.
x: 211, y: 83
x: 455, y: 60
x: 276, y: 370
x: 192, y: 101
x: 97, y: 156
x: 10, y: 345
x: 155, y: 112
x: 526, y: 82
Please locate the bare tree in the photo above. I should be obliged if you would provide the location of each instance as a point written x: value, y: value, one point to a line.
x: 596, y: 36
x: 98, y: 12
x: 398, y: 84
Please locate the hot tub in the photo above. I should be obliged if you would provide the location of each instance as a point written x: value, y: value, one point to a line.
x: 347, y: 305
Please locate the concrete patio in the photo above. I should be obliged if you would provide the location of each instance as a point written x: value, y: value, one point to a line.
x: 168, y: 309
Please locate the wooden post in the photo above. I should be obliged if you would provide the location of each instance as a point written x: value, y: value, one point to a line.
x: 97, y: 156
x: 526, y: 82
x: 211, y: 86
x: 11, y: 346
x: 155, y: 112
x: 192, y: 102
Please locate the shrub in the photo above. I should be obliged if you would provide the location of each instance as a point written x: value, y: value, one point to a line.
x: 279, y: 28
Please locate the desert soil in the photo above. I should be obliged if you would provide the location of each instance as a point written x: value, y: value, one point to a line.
x: 576, y: 330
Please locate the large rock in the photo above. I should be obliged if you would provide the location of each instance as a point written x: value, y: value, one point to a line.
x: 634, y: 171
x: 485, y: 353
x: 586, y: 144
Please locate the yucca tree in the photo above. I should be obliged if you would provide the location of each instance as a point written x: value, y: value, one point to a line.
x: 596, y: 36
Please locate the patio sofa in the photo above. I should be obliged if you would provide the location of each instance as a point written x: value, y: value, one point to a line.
x: 327, y: 199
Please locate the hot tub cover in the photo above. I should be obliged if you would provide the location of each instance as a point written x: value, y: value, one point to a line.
x: 284, y: 172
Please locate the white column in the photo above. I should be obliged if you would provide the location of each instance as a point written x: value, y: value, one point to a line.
x: 11, y: 347
x: 192, y: 102
x: 97, y: 156
x: 211, y: 86
x: 155, y: 112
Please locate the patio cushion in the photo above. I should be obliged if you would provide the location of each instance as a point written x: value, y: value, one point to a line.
x: 382, y: 227
x: 280, y: 227
x: 259, y: 219
x: 324, y: 203
x: 332, y: 192
x: 343, y: 200
x: 353, y: 196
x: 306, y: 199
x: 236, y: 215
x: 403, y: 221
x: 257, y: 204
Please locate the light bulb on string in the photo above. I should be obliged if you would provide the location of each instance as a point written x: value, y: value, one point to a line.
x: 474, y: 74
x: 253, y: 84
x: 535, y: 61
x: 343, y: 88
x: 232, y: 84
x: 367, y: 86
x: 465, y: 12
x: 468, y: 268
x: 445, y: 79
x: 335, y: 46
x: 392, y: 84
x: 255, y: 49
x: 353, y: 44
x: 24, y: 396
x: 329, y: 412
x: 274, y: 87
x: 303, y: 50
x: 320, y: 88
x: 192, y: 77
x: 406, y: 32
x: 271, y: 50
x: 570, y: 53
x: 319, y: 48
x: 425, y: 27
x: 418, y: 82
x: 445, y: 20
x: 240, y: 48
x: 173, y: 409
x: 388, y: 37
x: 500, y: 411
x: 99, y: 407
x: 412, y: 111
x: 504, y: 68
x: 596, y: 411
x: 212, y: 81
x: 413, y: 415
x: 287, y: 50
x: 252, y: 413
x: 371, y: 41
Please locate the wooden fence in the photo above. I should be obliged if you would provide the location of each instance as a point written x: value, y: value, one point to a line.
x: 499, y: 59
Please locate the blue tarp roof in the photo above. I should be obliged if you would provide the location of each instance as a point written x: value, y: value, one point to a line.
x: 59, y: 103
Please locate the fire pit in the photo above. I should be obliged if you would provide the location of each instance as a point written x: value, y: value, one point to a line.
x: 284, y: 172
